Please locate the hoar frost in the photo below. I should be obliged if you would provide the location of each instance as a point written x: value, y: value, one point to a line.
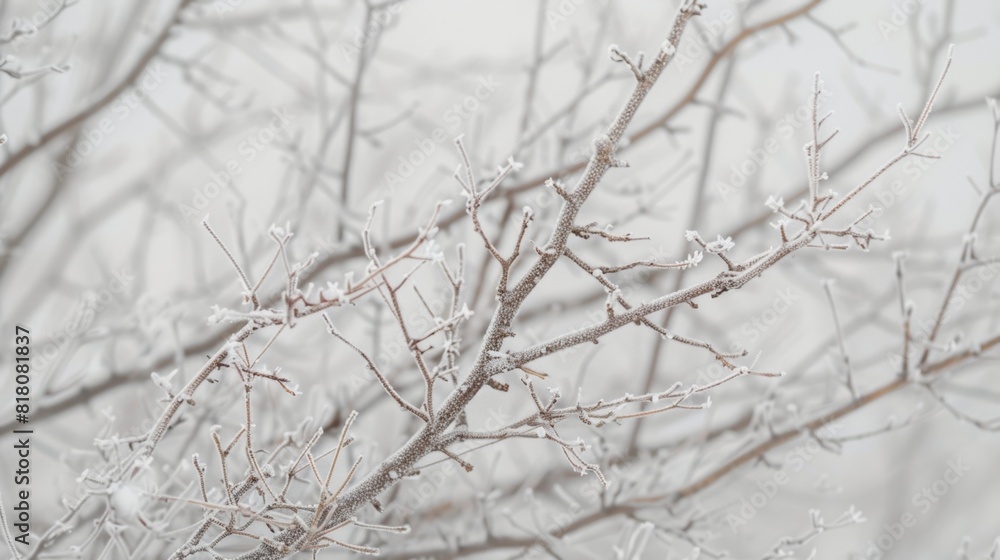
x: 720, y: 245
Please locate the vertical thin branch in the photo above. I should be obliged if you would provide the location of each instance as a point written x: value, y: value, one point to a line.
x: 352, y: 123
x: 828, y: 287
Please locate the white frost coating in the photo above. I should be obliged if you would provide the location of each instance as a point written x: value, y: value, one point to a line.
x: 465, y: 313
x: 433, y: 252
x: 164, y: 382
x: 444, y: 412
x: 333, y: 292
x: 127, y: 501
x: 720, y: 245
x: 274, y: 230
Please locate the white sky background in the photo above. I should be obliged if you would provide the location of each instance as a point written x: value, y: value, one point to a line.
x: 433, y: 55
